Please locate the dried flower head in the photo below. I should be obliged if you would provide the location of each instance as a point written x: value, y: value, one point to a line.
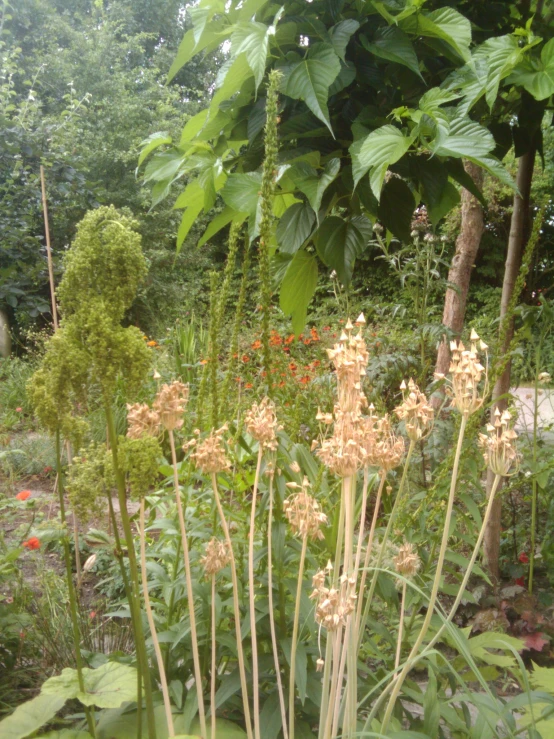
x: 389, y: 448
x: 333, y: 605
x: 216, y: 558
x: 498, y: 444
x: 209, y: 454
x: 170, y: 403
x: 349, y: 357
x: 466, y: 373
x: 303, y: 512
x: 261, y: 423
x: 414, y: 410
x: 142, y: 421
x: 407, y: 561
x: 544, y: 377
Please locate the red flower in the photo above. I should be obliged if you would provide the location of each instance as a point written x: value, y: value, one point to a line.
x: 47, y: 469
x: 19, y: 409
x: 292, y: 367
x: 523, y: 557
x: 92, y: 615
x: 32, y: 543
x: 305, y: 380
x: 245, y: 358
x: 23, y: 495
x: 520, y: 581
x: 327, y: 328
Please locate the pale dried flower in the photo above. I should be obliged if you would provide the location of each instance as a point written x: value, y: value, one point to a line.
x: 333, y: 605
x: 415, y: 411
x: 304, y: 513
x: 389, y: 448
x: 544, y: 377
x: 209, y: 454
x: 142, y: 421
x: 466, y: 373
x: 216, y: 558
x: 170, y: 403
x: 319, y: 665
x: 407, y: 561
x: 261, y: 423
x: 498, y: 445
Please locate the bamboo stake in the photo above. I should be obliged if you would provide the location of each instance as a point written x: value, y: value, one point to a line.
x: 48, y: 250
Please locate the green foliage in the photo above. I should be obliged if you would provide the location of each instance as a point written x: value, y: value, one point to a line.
x: 139, y: 459
x: 87, y: 480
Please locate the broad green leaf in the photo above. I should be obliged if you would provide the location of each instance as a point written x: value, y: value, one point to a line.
x: 445, y: 24
x: 194, y: 125
x: 187, y: 222
x: 215, y: 31
x: 163, y: 166
x: 431, y: 709
x: 242, y: 191
x: 298, y: 287
x: 495, y: 168
x: 270, y: 717
x: 457, y: 172
x: 311, y: 78
x: 67, y: 734
x: 282, y: 202
x: 231, y: 77
x: 381, y: 148
x: 151, y: 143
x: 501, y: 55
x: 340, y: 242
x: 466, y: 139
x: 542, y: 678
x: 396, y: 208
x: 449, y: 199
x: 314, y: 187
x: 108, y: 686
x: 538, y: 78
x: 220, y: 221
x: 433, y: 176
x: 252, y: 39
x: 391, y: 43
x: 224, y: 730
x: 294, y: 227
x: 30, y: 716
x: 341, y: 34
x: 192, y: 196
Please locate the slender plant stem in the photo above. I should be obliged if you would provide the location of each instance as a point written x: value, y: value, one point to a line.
x: 361, y: 530
x: 71, y: 590
x: 150, y: 617
x: 213, y: 671
x: 190, y: 593
x: 271, y: 613
x: 171, y: 606
x: 369, y: 547
x: 127, y: 587
x: 293, y: 646
x: 534, y: 481
x: 436, y: 582
x: 334, y: 681
x: 251, y: 598
x: 400, y: 625
x: 240, y: 653
x: 134, y: 603
x: 338, y: 692
x: 350, y: 642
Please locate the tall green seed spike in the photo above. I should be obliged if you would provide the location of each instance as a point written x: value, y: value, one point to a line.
x: 267, y: 194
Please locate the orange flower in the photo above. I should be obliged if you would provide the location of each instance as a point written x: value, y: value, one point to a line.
x: 275, y: 340
x: 245, y: 358
x: 23, y: 495
x: 281, y: 384
x: 315, y: 363
x: 289, y: 339
x: 264, y: 374
x: 257, y: 344
x: 327, y: 328
x: 203, y: 361
x: 283, y: 374
x: 238, y: 379
x: 152, y: 343
x: 307, y: 342
x: 32, y: 543
x: 315, y: 335
x: 305, y: 380
x: 292, y: 367
x: 248, y: 385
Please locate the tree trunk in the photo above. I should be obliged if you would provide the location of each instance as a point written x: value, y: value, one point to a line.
x: 5, y: 336
x: 459, y: 275
x: 519, y: 233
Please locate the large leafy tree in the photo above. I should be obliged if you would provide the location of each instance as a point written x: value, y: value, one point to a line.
x: 380, y: 103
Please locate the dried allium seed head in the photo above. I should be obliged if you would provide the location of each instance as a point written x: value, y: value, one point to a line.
x: 333, y: 605
x: 209, y: 454
x: 407, y: 561
x: 261, y: 423
x: 389, y: 448
x: 142, y: 421
x: 498, y: 444
x: 319, y: 665
x: 349, y: 357
x: 415, y: 411
x: 216, y: 558
x: 304, y: 514
x: 466, y: 373
x: 170, y: 403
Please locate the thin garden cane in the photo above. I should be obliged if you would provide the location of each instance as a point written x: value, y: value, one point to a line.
x: 190, y: 593
x: 71, y: 591
x: 236, y: 607
x: 436, y: 582
x: 152, y: 625
x: 213, y: 671
x: 271, y: 612
x: 400, y: 625
x: 251, y: 598
x: 292, y: 679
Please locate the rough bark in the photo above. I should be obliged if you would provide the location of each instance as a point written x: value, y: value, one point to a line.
x: 459, y: 275
x: 5, y: 336
x: 519, y: 233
